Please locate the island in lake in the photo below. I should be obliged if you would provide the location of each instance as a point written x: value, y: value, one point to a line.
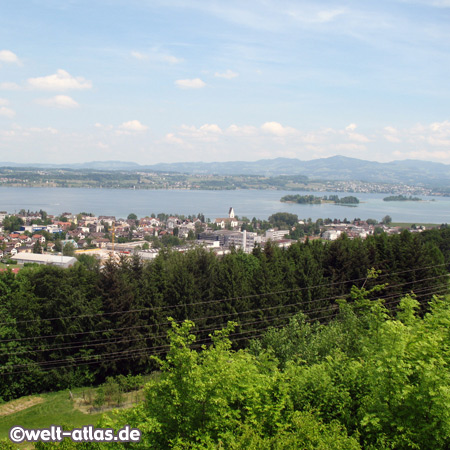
x: 401, y: 198
x: 316, y: 200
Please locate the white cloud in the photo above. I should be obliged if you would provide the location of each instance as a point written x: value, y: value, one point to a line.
x: 424, y: 155
x: 170, y: 59
x: 133, y: 125
x: 7, y: 112
x: 195, y: 83
x: 4, y: 102
x: 59, y: 81
x: 391, y: 130
x: 103, y: 127
x: 441, y: 127
x: 358, y: 137
x: 139, y: 55
x: 391, y: 135
x: 156, y: 55
x: 59, y: 101
x: 313, y: 16
x: 245, y: 130
x: 211, y: 128
x: 205, y: 133
x: 47, y: 130
x: 228, y: 74
x: 9, y: 86
x: 172, y: 139
x: 277, y: 129
x: 328, y: 15
x: 7, y: 56
x: 392, y: 139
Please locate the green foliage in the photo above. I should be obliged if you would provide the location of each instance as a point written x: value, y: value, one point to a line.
x: 100, y: 397
x: 401, y: 198
x: 121, y: 309
x: 68, y: 249
x: 12, y: 223
x: 283, y: 219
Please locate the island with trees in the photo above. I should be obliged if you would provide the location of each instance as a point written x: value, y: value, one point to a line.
x: 401, y: 198
x: 317, y: 200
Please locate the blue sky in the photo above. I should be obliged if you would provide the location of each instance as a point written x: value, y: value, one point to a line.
x: 172, y: 80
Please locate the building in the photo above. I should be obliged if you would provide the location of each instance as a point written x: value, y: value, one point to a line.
x: 51, y: 260
x: 229, y: 221
x: 275, y: 235
x: 227, y: 238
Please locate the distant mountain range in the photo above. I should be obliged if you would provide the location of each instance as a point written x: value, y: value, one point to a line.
x: 413, y: 172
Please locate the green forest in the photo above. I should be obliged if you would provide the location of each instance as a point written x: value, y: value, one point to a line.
x: 339, y: 345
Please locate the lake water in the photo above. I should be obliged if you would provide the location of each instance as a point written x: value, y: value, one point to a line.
x: 250, y: 203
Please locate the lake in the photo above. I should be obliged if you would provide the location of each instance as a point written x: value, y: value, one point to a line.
x: 250, y: 203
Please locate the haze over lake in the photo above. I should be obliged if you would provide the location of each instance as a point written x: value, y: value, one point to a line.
x: 251, y: 203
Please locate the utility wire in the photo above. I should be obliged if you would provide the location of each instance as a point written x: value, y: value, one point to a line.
x: 244, y: 297
x: 192, y: 304
x: 102, y: 358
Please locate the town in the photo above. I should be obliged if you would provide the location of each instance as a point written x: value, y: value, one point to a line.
x: 37, y: 237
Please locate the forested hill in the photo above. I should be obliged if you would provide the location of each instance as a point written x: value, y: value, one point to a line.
x: 333, y: 168
x: 60, y: 328
x: 410, y: 172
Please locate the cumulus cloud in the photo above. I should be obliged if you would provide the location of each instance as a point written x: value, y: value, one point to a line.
x: 424, y: 155
x: 357, y: 137
x: 46, y: 130
x: 195, y: 83
x: 172, y: 139
x: 4, y: 110
x: 7, y: 112
x: 9, y: 86
x: 139, y: 55
x: 228, y: 74
x: 59, y: 81
x: 391, y: 135
x: 7, y: 56
x: 277, y: 129
x: 169, y: 59
x: 103, y: 127
x: 59, y: 101
x: 156, y: 55
x: 245, y: 130
x: 133, y: 125
x: 205, y: 133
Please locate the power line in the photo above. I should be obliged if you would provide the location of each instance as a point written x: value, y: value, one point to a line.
x: 244, y: 297
x: 105, y: 358
x: 110, y: 341
x: 193, y: 304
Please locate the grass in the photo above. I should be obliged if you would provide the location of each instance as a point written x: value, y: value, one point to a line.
x: 56, y: 409
x: 12, y: 266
